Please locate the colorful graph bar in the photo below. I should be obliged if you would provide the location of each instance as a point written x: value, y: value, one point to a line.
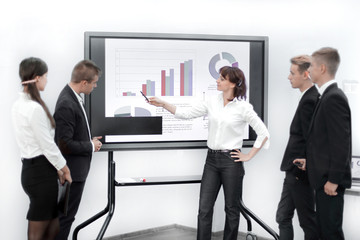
x: 128, y: 94
x: 186, y: 78
x: 167, y: 83
x: 149, y: 88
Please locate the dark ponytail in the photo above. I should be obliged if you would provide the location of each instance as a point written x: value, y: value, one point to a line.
x: 29, y: 69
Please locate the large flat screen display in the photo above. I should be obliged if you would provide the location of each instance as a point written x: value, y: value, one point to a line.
x: 179, y: 68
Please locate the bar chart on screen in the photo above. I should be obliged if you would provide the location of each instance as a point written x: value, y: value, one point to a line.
x: 161, y: 72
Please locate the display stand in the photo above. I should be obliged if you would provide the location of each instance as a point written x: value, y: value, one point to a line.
x: 110, y: 208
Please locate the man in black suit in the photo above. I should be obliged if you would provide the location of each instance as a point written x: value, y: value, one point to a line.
x: 297, y: 193
x: 328, y: 149
x: 72, y: 135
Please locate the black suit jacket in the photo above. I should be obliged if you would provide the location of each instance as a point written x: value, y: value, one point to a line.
x: 299, y: 128
x: 329, y: 143
x: 72, y: 135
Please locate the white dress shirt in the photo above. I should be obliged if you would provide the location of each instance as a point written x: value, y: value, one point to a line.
x: 227, y: 123
x: 33, y: 131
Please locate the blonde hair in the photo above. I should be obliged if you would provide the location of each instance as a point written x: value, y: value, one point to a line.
x: 302, y: 61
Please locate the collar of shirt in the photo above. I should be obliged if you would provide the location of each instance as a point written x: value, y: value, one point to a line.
x: 325, y: 86
x: 24, y: 95
x: 221, y: 99
x: 80, y: 99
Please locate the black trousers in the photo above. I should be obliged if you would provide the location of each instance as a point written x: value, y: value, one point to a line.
x: 329, y: 210
x: 297, y: 194
x: 220, y: 169
x: 76, y: 191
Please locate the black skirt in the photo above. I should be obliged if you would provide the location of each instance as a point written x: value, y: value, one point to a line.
x: 39, y: 180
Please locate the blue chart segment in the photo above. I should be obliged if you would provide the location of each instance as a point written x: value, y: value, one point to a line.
x: 216, y: 58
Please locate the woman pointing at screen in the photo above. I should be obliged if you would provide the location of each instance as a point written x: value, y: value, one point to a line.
x: 228, y: 115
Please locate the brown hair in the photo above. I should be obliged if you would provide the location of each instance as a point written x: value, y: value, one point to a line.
x: 236, y: 76
x: 328, y: 56
x: 85, y: 70
x: 29, y: 69
x: 302, y: 61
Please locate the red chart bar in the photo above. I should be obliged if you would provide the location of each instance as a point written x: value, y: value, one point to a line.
x: 182, y: 82
x: 163, y: 83
x: 144, y: 89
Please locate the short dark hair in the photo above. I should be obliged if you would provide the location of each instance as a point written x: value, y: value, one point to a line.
x: 85, y: 70
x: 328, y: 56
x: 236, y: 76
x: 302, y: 61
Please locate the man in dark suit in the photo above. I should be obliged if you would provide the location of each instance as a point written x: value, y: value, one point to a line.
x: 328, y: 148
x: 72, y: 135
x: 297, y: 193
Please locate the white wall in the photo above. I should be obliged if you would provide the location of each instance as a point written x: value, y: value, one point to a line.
x: 54, y: 32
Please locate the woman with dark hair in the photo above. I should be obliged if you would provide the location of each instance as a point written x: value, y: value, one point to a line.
x: 42, y: 161
x: 228, y: 115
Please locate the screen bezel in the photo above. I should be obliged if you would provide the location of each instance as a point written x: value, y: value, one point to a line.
x: 92, y: 105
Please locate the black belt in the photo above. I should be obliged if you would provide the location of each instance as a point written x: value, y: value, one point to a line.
x: 221, y: 150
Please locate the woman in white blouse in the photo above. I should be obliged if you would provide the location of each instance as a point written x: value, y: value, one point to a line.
x: 42, y: 161
x: 228, y: 114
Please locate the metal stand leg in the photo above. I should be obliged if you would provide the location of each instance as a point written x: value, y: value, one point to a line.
x: 110, y: 208
x: 247, y: 218
x: 248, y: 213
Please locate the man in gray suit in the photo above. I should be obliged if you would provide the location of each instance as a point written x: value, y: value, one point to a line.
x: 72, y: 135
x: 297, y: 193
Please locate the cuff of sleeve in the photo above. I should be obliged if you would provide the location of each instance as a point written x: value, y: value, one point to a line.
x: 260, y: 140
x: 60, y: 164
x: 177, y: 113
x: 335, y: 178
x: 93, y: 146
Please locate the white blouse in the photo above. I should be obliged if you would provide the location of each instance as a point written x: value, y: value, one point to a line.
x: 227, y: 123
x: 33, y: 131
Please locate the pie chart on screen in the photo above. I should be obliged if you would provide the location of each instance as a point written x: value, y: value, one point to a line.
x: 219, y: 60
x: 130, y: 111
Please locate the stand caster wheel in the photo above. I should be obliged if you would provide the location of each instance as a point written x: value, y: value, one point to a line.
x: 251, y: 236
